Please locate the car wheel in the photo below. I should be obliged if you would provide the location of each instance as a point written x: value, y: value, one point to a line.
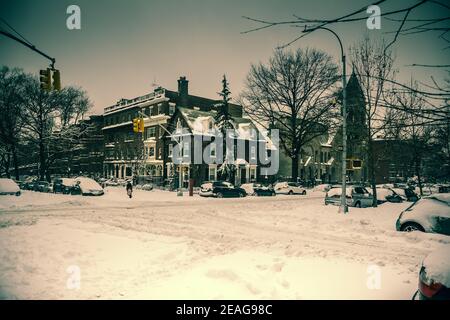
x: 411, y: 226
x: 290, y: 192
x: 219, y: 195
x: 17, y: 193
x: 304, y: 192
x: 358, y: 204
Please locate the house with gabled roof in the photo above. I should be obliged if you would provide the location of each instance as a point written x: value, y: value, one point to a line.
x: 193, y: 144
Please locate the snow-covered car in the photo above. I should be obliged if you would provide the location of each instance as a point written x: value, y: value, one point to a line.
x: 387, y: 195
x: 407, y: 194
x: 434, y: 276
x: 322, y: 187
x: 357, y: 196
x: 147, y: 187
x: 89, y: 187
x: 429, y: 214
x: 221, y: 189
x: 63, y: 185
x: 9, y: 187
x: 289, y: 188
x: 257, y: 189
x: 111, y: 183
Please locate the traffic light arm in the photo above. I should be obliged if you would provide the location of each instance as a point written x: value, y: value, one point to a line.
x: 9, y: 35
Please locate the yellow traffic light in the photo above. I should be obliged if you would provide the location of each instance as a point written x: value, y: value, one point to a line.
x: 136, y: 125
x: 141, y: 125
x: 56, y: 80
x: 45, y: 79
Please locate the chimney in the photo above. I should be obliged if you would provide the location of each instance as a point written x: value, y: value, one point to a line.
x: 183, y: 91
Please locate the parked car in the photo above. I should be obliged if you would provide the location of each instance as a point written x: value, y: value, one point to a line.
x: 257, y: 189
x: 29, y: 184
x: 388, y: 195
x: 322, y: 187
x: 407, y: 194
x: 147, y: 187
x: 63, y: 185
x: 88, y: 186
x: 111, y: 183
x: 42, y: 186
x: 9, y: 187
x: 221, y: 189
x: 434, y: 276
x: 289, y: 188
x: 357, y: 196
x: 429, y: 214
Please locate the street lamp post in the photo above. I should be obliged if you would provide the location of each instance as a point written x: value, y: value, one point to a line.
x: 343, y: 207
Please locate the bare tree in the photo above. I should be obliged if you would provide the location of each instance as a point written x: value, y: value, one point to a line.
x: 293, y: 94
x: 51, y: 121
x: 11, y: 110
x: 372, y: 64
x: 409, y: 21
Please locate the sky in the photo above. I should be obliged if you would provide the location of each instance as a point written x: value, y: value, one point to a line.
x: 124, y: 48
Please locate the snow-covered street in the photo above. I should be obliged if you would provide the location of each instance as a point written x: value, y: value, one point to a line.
x: 160, y: 246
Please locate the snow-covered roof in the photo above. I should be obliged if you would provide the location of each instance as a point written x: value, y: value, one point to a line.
x: 200, y: 123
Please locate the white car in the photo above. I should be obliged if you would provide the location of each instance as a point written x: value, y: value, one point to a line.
x: 8, y: 186
x: 289, y: 188
x: 429, y: 214
x: 89, y: 186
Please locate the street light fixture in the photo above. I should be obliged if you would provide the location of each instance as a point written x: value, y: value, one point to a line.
x: 343, y: 207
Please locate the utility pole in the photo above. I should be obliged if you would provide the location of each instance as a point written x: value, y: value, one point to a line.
x: 343, y: 208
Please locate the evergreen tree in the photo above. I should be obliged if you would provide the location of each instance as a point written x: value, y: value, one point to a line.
x: 224, y: 122
x: 223, y: 118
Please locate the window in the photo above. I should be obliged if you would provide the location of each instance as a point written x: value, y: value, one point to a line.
x: 212, y: 173
x: 186, y: 149
x: 212, y: 150
x: 171, y: 108
x: 252, y: 174
x: 210, y: 125
x: 150, y: 132
x: 253, y: 152
x: 151, y: 152
x: 159, y: 153
x: 170, y: 150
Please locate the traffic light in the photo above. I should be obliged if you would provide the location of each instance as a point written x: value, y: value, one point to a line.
x: 56, y: 80
x: 45, y: 79
x: 136, y: 125
x: 141, y: 126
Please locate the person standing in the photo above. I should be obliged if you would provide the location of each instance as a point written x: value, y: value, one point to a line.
x: 129, y: 188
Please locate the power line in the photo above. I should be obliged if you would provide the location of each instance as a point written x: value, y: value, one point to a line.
x: 17, y: 32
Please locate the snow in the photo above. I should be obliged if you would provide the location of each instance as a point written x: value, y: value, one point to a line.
x: 160, y: 246
x: 88, y: 184
x: 437, y: 265
x: 8, y: 185
x: 338, y: 191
